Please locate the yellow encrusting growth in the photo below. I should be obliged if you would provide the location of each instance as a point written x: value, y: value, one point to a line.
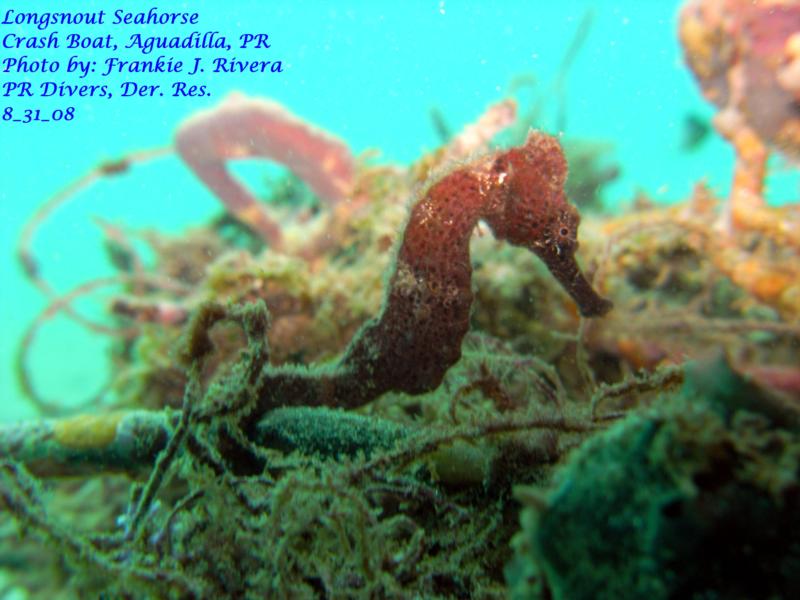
x: 87, y: 431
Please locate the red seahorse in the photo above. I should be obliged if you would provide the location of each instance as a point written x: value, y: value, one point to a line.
x: 417, y: 336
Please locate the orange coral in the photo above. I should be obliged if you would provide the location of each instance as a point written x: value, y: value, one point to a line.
x: 746, y: 57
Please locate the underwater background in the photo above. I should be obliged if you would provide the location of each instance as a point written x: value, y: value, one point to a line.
x: 370, y: 72
x: 411, y: 357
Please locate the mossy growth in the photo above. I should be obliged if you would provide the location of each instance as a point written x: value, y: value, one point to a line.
x: 696, y: 497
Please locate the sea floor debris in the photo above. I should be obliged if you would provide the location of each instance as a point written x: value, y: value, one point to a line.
x: 368, y: 407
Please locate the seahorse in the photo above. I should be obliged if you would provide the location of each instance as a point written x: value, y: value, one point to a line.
x: 417, y: 335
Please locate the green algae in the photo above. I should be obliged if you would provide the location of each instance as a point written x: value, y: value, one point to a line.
x: 696, y: 497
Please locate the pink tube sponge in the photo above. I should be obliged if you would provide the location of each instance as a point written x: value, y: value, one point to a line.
x: 242, y: 127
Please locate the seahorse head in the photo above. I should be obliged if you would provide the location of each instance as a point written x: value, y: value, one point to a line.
x: 528, y: 208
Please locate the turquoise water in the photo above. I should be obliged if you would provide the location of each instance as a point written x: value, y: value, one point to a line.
x: 367, y: 71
